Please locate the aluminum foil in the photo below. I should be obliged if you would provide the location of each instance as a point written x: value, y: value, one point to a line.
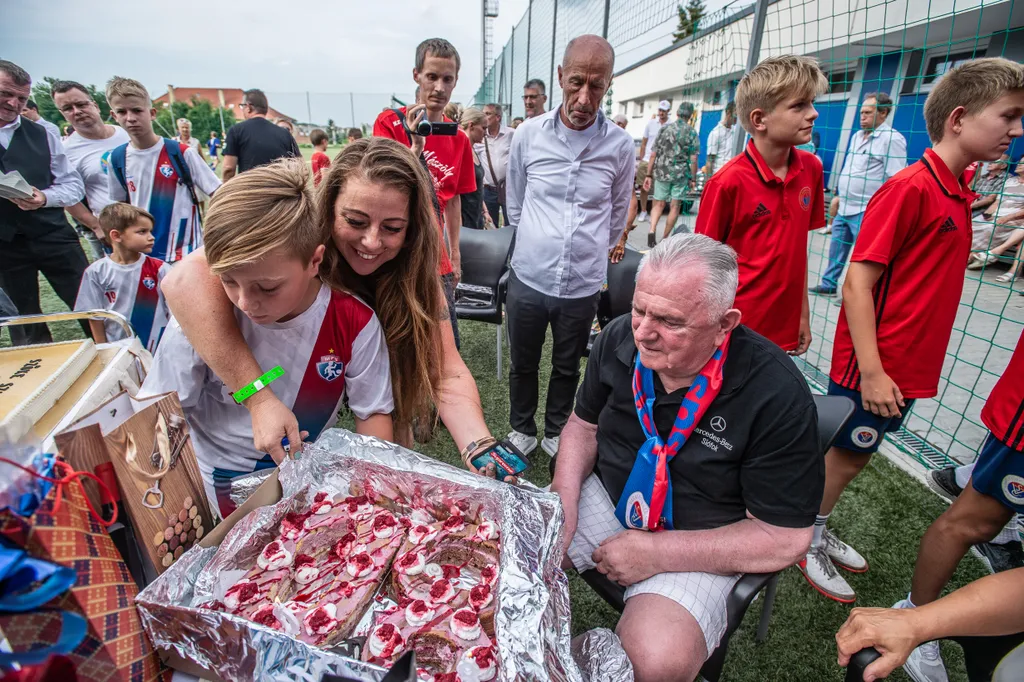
x: 531, y: 621
x: 601, y: 658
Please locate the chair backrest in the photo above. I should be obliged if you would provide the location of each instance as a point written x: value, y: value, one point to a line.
x: 833, y: 413
x: 618, y: 300
x: 484, y: 255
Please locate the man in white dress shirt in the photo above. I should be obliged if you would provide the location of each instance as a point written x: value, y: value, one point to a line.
x: 493, y: 154
x: 875, y: 154
x: 569, y: 178
x: 34, y: 234
x: 722, y: 141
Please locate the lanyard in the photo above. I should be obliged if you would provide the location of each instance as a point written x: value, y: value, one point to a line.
x: 646, y: 500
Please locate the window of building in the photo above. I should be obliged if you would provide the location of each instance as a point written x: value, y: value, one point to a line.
x: 940, y: 64
x: 841, y: 81
x: 638, y: 109
x: 716, y: 97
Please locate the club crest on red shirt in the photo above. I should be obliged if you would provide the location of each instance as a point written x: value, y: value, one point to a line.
x: 330, y: 367
x: 805, y: 198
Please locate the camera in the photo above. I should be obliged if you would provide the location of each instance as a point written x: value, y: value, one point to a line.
x: 426, y: 128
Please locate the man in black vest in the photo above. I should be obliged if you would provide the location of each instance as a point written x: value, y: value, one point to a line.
x: 34, y: 233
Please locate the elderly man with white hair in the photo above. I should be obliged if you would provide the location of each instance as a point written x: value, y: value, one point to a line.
x: 689, y: 424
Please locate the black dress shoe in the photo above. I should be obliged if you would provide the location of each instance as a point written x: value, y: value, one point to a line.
x: 822, y: 290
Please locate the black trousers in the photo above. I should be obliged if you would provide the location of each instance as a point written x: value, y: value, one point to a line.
x: 529, y: 314
x: 493, y: 205
x: 59, y: 256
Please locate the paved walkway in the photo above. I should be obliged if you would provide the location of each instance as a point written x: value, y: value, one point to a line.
x: 988, y: 324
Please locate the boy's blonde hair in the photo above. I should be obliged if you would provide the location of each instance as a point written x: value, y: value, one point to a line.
x: 774, y: 80
x: 126, y: 87
x: 120, y: 216
x: 973, y: 85
x: 471, y: 116
x: 263, y: 209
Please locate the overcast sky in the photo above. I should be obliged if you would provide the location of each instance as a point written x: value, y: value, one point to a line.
x: 284, y: 48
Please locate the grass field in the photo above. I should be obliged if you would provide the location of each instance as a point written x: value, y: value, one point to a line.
x: 883, y: 514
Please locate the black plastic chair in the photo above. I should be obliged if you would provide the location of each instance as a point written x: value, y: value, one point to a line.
x: 618, y: 298
x: 480, y: 294
x: 833, y: 413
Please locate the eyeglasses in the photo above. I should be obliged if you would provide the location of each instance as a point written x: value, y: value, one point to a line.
x: 70, y: 107
x: 243, y: 105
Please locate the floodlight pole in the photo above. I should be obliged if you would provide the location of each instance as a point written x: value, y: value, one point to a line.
x: 753, y: 55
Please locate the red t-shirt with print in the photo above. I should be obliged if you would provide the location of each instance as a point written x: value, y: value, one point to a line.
x: 320, y: 162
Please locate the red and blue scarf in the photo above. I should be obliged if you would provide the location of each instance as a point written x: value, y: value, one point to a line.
x: 646, y: 501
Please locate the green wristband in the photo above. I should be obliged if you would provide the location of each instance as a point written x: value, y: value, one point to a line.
x: 249, y: 391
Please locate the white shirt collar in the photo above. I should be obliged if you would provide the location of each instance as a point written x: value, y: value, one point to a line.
x: 880, y: 129
x: 13, y: 125
x: 548, y: 119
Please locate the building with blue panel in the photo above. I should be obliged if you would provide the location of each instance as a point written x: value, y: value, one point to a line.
x: 896, y: 47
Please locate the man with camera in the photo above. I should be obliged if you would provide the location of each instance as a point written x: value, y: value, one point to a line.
x: 448, y: 155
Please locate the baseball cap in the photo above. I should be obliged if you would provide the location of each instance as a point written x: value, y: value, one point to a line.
x: 664, y: 105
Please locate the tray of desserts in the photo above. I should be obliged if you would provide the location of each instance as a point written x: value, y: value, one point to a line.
x: 363, y: 551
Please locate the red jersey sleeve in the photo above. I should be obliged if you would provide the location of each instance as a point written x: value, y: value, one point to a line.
x: 385, y: 126
x: 467, y: 173
x: 888, y: 218
x: 715, y: 213
x: 818, y: 205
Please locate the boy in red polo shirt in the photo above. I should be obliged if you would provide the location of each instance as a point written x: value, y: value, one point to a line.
x: 763, y: 202
x: 904, y: 283
x: 449, y: 158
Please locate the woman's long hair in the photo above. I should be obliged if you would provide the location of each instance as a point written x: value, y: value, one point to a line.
x: 405, y: 292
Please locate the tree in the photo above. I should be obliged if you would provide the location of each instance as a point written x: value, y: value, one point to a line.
x: 203, y: 115
x: 689, y: 19
x: 41, y: 95
x: 331, y: 131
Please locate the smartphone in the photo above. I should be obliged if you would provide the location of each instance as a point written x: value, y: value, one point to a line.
x: 508, y: 461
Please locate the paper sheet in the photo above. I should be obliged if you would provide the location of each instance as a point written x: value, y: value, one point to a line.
x: 13, y: 186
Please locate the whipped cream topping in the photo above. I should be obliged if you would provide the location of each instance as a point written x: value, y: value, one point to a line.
x: 360, y: 508
x: 241, y: 593
x: 411, y: 563
x: 274, y: 556
x: 321, y: 503
x: 465, y: 624
x: 321, y: 620
x: 288, y: 615
x: 480, y: 596
x: 304, y: 569
x: 489, y: 574
x: 433, y: 570
x: 478, y: 663
x: 421, y: 533
x: 265, y: 615
x: 455, y: 523
x: 360, y: 565
x: 384, y: 526
x: 487, y: 530
x: 385, y: 641
x: 292, y: 525
x: 442, y: 591
x: 417, y: 613
x: 419, y: 517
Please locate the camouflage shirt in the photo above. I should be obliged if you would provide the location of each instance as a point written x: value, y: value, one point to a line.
x: 676, y: 144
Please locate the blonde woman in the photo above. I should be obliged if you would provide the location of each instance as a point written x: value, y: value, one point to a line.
x: 375, y: 203
x: 473, y: 214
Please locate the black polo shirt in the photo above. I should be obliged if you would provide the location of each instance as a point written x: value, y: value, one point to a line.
x: 756, y: 447
x: 257, y: 142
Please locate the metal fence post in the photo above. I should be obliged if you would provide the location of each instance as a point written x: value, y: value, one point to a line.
x: 554, y: 31
x: 753, y: 54
x: 607, y: 9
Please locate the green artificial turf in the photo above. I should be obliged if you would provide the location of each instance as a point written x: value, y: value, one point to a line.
x: 883, y: 514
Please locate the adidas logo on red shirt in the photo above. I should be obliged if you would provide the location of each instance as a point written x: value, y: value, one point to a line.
x: 948, y: 226
x: 761, y: 211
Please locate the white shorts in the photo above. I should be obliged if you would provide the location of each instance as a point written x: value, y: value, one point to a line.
x: 703, y: 595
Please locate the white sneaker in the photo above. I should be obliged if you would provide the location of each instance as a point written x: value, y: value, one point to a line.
x: 643, y: 217
x: 925, y: 662
x: 526, y: 444
x: 550, y: 445
x: 823, y: 576
x: 841, y: 554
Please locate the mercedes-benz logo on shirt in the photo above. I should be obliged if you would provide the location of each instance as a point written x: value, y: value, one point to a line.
x: 718, y: 424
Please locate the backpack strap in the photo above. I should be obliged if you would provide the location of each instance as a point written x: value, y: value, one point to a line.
x: 177, y: 158
x: 117, y: 164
